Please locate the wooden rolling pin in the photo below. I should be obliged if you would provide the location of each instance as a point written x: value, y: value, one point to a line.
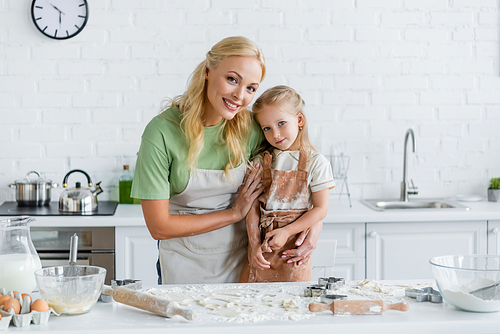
x: 358, y: 307
x: 144, y: 301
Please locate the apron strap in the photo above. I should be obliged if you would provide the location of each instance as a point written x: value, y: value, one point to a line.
x: 301, y: 169
x: 266, y: 170
x: 302, y: 161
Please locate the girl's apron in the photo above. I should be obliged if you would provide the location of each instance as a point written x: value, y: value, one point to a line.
x: 288, y: 191
x: 212, y: 257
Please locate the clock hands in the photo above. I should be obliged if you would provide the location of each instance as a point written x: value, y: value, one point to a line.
x: 60, y: 14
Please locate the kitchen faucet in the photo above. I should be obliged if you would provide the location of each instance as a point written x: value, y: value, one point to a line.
x: 405, y: 189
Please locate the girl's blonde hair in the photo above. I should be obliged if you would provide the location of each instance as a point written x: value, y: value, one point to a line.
x: 286, y: 99
x: 192, y: 102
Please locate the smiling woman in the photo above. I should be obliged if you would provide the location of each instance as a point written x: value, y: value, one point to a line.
x: 192, y: 162
x: 60, y: 19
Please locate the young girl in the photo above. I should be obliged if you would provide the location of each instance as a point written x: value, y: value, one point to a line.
x: 296, y: 180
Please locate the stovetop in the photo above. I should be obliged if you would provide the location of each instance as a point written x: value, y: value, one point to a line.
x: 104, y: 208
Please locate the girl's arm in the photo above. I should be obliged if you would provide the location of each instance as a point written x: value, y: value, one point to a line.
x: 253, y: 219
x: 254, y: 242
x: 163, y: 225
x: 319, y: 201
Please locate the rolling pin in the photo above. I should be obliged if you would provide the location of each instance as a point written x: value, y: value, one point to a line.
x: 346, y: 307
x: 144, y: 301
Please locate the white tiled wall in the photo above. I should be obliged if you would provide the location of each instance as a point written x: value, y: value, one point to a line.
x: 367, y: 69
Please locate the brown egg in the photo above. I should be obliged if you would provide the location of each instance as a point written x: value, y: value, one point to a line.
x: 15, y: 293
x: 14, y: 304
x: 39, y: 305
x: 0, y: 317
x: 4, y: 298
x: 24, y: 295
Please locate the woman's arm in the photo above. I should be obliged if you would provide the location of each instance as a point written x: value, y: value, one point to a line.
x: 163, y: 225
x: 319, y: 210
x: 306, y: 243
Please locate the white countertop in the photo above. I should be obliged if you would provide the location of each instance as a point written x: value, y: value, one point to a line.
x: 338, y: 212
x: 422, y: 317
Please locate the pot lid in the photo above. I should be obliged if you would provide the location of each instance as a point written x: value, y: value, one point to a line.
x: 28, y: 180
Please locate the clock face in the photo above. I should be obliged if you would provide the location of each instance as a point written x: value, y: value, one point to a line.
x: 59, y: 19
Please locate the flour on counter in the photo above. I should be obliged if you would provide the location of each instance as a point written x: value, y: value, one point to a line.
x: 269, y: 301
x: 370, y: 289
x: 243, y: 302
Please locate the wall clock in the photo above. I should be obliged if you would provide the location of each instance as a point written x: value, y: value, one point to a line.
x: 60, y: 19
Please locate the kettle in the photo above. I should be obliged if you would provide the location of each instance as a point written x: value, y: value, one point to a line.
x: 78, y: 199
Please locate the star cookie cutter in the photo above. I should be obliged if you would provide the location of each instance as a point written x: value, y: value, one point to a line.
x: 332, y: 283
x: 425, y: 295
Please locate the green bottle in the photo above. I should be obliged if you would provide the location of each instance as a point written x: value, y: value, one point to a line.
x: 125, y: 186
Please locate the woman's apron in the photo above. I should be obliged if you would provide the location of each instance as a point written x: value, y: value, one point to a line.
x: 212, y: 257
x: 289, y: 189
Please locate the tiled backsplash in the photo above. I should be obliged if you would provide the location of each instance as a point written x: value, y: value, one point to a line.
x: 367, y: 69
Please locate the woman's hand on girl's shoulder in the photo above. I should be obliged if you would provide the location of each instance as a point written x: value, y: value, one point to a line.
x: 247, y: 193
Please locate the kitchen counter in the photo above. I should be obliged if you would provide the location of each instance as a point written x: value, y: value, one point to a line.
x: 422, y: 317
x: 338, y: 212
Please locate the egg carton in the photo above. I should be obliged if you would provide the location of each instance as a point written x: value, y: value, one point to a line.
x: 25, y: 317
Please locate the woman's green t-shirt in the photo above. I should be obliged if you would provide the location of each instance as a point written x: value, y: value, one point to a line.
x: 161, y: 170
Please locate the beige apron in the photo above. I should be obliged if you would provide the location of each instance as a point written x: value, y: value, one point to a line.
x: 212, y: 257
x: 290, y: 189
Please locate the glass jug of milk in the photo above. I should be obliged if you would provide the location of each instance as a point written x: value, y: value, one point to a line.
x: 18, y: 257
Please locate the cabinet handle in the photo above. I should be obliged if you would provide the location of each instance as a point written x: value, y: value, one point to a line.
x: 495, y: 230
x: 373, y: 234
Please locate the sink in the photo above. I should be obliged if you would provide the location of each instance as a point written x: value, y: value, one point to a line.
x: 420, y: 204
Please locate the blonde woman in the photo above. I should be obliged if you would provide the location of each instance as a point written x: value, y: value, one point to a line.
x: 191, y: 169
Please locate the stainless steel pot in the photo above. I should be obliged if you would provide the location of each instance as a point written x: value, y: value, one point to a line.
x: 33, y: 192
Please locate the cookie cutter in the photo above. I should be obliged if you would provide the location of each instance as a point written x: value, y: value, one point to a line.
x: 332, y: 283
x: 424, y: 295
x: 335, y: 283
x: 328, y: 299
x: 325, y: 286
x: 315, y: 290
x: 133, y: 284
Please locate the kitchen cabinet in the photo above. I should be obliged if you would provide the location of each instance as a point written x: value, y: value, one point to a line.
x: 403, y: 250
x: 340, y: 247
x: 494, y: 237
x: 136, y: 254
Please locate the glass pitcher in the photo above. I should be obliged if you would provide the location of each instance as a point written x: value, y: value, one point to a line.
x: 18, y: 257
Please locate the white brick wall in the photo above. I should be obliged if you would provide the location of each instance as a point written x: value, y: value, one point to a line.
x: 368, y: 70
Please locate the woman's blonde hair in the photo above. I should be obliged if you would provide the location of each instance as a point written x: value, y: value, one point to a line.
x: 286, y: 99
x: 192, y: 102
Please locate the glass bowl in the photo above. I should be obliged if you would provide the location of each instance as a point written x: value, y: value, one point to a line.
x: 459, y: 277
x: 70, y: 290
